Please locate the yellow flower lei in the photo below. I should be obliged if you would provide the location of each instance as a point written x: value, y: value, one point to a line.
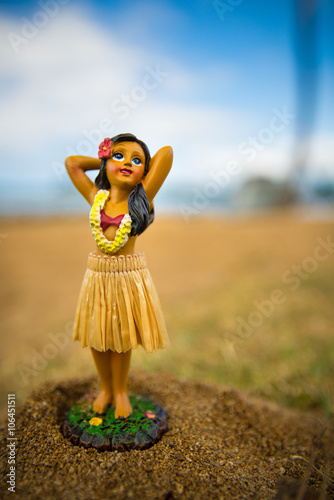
x: 122, y: 233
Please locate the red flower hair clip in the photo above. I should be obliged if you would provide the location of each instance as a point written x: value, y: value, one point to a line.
x: 105, y: 149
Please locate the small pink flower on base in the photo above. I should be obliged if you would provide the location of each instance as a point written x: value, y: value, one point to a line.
x: 149, y: 414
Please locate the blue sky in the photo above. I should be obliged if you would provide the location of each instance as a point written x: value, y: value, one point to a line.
x: 181, y: 73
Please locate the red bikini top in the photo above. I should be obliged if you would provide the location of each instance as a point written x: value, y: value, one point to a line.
x: 107, y: 221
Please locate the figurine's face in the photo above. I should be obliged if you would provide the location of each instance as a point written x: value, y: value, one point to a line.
x: 126, y: 164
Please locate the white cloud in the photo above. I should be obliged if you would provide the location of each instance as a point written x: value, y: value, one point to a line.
x: 64, y: 80
x: 66, y: 77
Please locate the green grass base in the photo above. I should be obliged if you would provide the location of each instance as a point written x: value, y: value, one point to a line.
x: 144, y: 427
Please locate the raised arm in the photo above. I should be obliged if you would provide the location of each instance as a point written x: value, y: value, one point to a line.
x: 76, y: 167
x: 160, y: 165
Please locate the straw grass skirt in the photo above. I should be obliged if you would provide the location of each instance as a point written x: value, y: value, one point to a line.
x: 118, y: 306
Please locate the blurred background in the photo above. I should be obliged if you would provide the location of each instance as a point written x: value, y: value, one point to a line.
x: 243, y: 92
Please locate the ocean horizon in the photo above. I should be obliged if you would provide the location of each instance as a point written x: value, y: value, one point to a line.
x: 42, y: 198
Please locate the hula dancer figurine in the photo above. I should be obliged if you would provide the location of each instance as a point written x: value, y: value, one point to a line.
x: 118, y: 307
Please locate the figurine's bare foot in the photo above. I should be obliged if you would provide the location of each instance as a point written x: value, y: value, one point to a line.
x: 103, y: 400
x: 123, y: 405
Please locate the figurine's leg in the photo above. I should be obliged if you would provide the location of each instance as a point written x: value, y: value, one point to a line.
x: 120, y: 364
x: 102, y: 362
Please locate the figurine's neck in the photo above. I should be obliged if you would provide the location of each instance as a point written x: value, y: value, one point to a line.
x: 119, y: 194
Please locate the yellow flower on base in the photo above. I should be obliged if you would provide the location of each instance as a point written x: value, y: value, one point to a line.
x: 96, y: 421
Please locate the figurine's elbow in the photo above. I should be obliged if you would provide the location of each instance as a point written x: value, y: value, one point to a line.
x: 71, y: 163
x: 168, y: 151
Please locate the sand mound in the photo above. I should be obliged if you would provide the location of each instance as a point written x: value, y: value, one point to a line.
x: 220, y: 444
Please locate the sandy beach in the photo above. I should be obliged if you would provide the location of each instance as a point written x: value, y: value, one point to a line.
x: 248, y: 306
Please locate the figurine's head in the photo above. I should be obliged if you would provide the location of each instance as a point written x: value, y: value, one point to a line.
x: 107, y: 151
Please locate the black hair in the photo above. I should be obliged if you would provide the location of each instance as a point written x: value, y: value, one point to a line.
x: 138, y: 203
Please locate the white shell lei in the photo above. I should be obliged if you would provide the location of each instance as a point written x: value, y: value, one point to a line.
x: 122, y: 233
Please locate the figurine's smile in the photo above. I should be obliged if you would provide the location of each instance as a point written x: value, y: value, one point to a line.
x: 126, y: 171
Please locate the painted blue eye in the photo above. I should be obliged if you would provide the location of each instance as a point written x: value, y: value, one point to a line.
x: 136, y: 161
x: 118, y: 156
